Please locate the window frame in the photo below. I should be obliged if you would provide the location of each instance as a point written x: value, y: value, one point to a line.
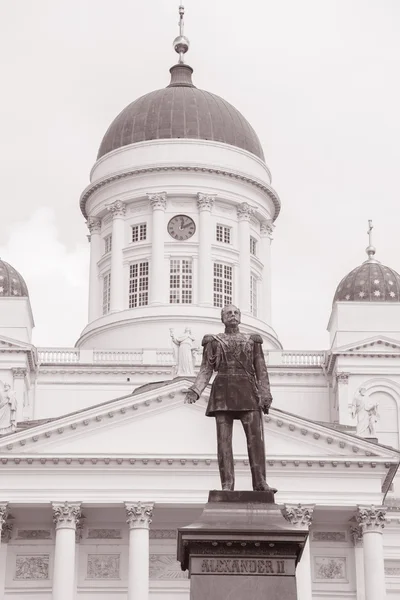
x: 106, y: 293
x: 253, y: 245
x: 107, y: 243
x: 182, y: 294
x: 139, y: 227
x: 138, y: 289
x: 226, y: 232
x: 226, y: 297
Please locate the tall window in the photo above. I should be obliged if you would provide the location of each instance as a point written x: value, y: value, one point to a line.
x: 223, y: 279
x: 180, y: 281
x: 223, y: 234
x: 138, y: 284
x: 253, y: 246
x: 253, y: 295
x: 107, y: 243
x: 106, y: 293
x: 139, y: 232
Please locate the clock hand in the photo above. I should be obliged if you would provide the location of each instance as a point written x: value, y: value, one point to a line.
x: 185, y: 226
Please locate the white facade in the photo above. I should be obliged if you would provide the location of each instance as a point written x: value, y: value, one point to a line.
x: 106, y: 461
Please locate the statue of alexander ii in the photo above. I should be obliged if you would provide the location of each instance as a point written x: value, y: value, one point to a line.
x: 240, y: 391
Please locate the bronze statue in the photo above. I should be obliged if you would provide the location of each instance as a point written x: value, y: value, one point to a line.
x: 240, y: 391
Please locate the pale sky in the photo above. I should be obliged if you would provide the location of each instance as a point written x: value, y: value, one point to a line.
x: 317, y: 79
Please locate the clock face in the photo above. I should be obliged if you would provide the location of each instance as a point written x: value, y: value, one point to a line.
x: 181, y: 227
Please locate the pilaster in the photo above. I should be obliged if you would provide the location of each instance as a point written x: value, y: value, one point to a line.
x: 266, y: 228
x: 118, y: 210
x: 244, y: 214
x: 300, y: 515
x: 205, y: 203
x: 94, y: 226
x: 158, y: 203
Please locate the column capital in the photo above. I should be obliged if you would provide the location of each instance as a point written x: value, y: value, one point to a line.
x: 205, y: 201
x: 117, y: 208
x: 342, y: 378
x: 371, y: 518
x: 66, y: 515
x: 266, y: 228
x: 158, y: 201
x: 245, y: 211
x: 94, y: 225
x: 299, y: 514
x: 19, y: 373
x: 139, y: 514
x: 3, y: 513
x: 356, y: 535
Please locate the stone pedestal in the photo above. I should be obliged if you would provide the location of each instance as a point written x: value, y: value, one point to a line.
x: 241, y: 548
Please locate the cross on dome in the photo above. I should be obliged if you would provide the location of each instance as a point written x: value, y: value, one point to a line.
x: 181, y: 43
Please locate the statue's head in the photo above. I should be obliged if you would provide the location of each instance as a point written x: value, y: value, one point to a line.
x: 187, y: 330
x: 230, y: 315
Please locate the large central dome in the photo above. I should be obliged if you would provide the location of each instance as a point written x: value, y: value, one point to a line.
x: 180, y: 111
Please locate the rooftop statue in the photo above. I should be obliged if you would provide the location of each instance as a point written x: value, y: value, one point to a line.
x: 184, y: 353
x: 8, y: 409
x: 240, y: 391
x: 365, y: 409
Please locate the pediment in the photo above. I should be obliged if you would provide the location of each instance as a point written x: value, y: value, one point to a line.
x: 155, y: 422
x: 9, y: 344
x: 374, y: 345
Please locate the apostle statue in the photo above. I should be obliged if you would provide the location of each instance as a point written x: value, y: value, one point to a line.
x: 365, y: 409
x: 240, y: 391
x: 184, y: 353
x: 8, y: 408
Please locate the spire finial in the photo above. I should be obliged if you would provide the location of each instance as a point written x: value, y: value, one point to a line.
x: 370, y: 250
x: 181, y: 43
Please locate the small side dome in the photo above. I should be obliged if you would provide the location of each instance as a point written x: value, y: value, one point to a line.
x: 370, y: 282
x: 12, y: 284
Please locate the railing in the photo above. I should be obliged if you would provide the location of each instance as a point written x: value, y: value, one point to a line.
x: 58, y: 355
x: 125, y: 356
x: 303, y: 358
x: 275, y: 358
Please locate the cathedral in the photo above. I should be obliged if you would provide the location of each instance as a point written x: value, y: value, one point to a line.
x: 181, y: 211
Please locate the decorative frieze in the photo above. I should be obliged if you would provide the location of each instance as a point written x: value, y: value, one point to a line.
x: 371, y: 518
x: 158, y: 201
x: 33, y: 534
x: 103, y: 566
x: 117, y: 208
x: 66, y: 514
x: 32, y: 567
x: 139, y: 514
x: 163, y: 534
x: 165, y: 567
x: 205, y: 201
x: 94, y: 225
x: 245, y: 211
x: 329, y: 536
x: 104, y: 534
x: 298, y: 514
x: 330, y: 568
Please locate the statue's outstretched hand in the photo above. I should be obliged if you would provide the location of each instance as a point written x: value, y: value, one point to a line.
x: 191, y: 397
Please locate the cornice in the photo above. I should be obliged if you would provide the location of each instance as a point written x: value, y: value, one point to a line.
x: 180, y: 168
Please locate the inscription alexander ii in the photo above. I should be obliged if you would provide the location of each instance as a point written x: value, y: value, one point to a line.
x: 241, y: 566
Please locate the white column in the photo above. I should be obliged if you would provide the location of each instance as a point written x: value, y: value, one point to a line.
x: 371, y: 520
x: 94, y: 225
x: 65, y: 517
x: 357, y: 536
x: 244, y: 213
x: 19, y: 389
x: 158, y: 203
x: 205, y: 203
x: 139, y: 519
x: 300, y: 515
x: 3, y: 546
x: 118, y: 290
x: 264, y: 302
